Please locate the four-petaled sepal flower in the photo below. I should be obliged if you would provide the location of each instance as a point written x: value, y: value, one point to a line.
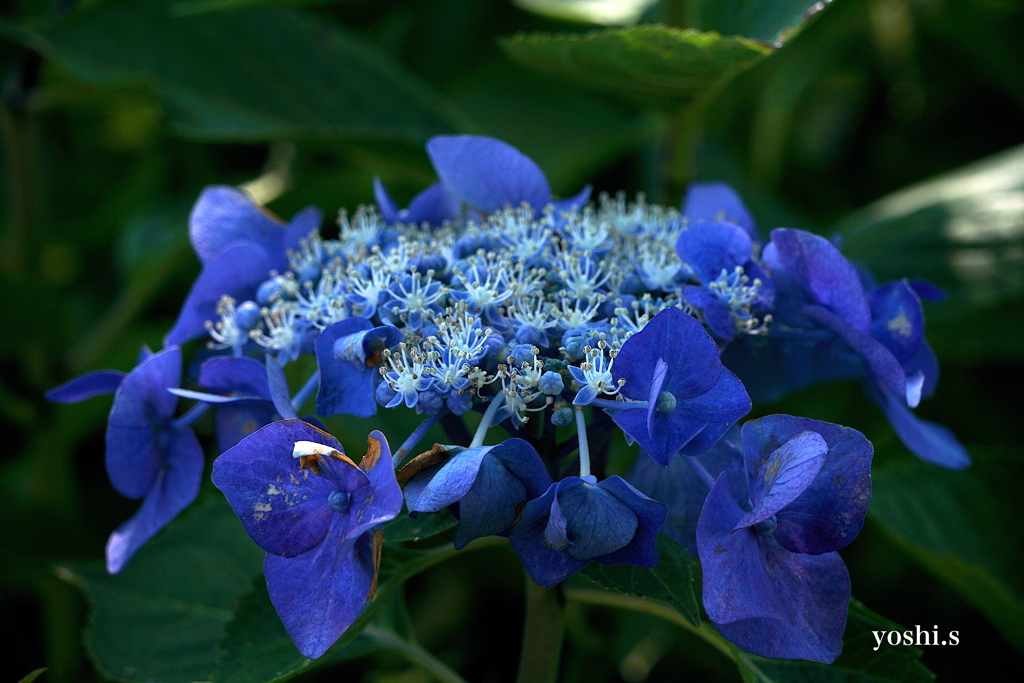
x: 317, y: 514
x: 773, y: 583
x: 674, y: 365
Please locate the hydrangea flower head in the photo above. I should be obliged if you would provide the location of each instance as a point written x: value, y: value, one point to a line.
x: 318, y: 516
x: 773, y: 583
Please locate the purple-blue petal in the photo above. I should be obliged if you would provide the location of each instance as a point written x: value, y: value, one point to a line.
x: 682, y: 342
x: 238, y: 270
x: 381, y: 501
x: 175, y: 487
x: 736, y: 584
x: 883, y: 367
x: 278, y: 385
x: 387, y: 206
x: 595, y: 522
x: 716, y: 314
x: 716, y: 202
x: 778, y: 479
x: 224, y: 215
x: 86, y: 386
x: 139, y: 432
x: 235, y: 375
x: 711, y: 247
x: 238, y: 420
x: 721, y: 406
x: 487, y: 173
x: 663, y: 435
x: 808, y: 269
x: 927, y: 440
x: 650, y: 514
x: 433, y: 206
x: 829, y: 513
x: 545, y: 565
x: 817, y: 591
x: 345, y: 387
x: 897, y: 319
x: 578, y: 200
x: 282, y: 507
x: 319, y: 594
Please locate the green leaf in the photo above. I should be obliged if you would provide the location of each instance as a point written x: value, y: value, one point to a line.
x: 162, y: 617
x: 772, y: 21
x: 958, y: 526
x: 651, y: 64
x: 406, y: 528
x: 669, y: 582
x: 255, y: 74
x: 962, y: 231
x: 32, y: 676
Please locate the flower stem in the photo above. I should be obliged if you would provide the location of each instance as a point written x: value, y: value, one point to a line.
x: 414, y: 653
x: 581, y: 432
x: 542, y: 634
x: 417, y: 436
x: 190, y: 416
x: 701, y: 471
x: 306, y: 391
x: 485, y: 423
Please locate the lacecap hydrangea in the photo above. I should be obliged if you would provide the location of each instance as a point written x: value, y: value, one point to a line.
x: 560, y: 320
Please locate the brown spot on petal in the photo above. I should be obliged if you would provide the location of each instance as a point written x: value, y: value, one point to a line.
x: 376, y: 546
x: 372, y: 455
x: 519, y: 512
x: 310, y: 462
x: 435, y: 456
x: 375, y: 359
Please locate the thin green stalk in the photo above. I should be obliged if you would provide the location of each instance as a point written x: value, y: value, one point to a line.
x: 542, y: 634
x: 414, y: 653
x: 596, y: 596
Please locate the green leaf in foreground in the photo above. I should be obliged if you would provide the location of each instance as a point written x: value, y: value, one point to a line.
x: 955, y: 525
x: 254, y: 74
x: 162, y: 617
x: 963, y: 231
x: 650, y: 64
x: 670, y: 582
x: 406, y: 528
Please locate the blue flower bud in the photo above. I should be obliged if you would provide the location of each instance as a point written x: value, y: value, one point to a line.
x: 429, y: 402
x: 550, y: 383
x: 459, y: 403
x: 247, y: 314
x: 563, y: 417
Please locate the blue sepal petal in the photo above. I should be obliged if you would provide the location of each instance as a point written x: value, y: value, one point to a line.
x: 175, y: 487
x: 282, y: 507
x: 487, y: 173
x: 319, y: 594
x: 138, y: 430
x: 86, y: 386
x: 717, y: 202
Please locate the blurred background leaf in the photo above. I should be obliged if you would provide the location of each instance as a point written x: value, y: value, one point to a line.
x: 654, y: 65
x: 256, y: 74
